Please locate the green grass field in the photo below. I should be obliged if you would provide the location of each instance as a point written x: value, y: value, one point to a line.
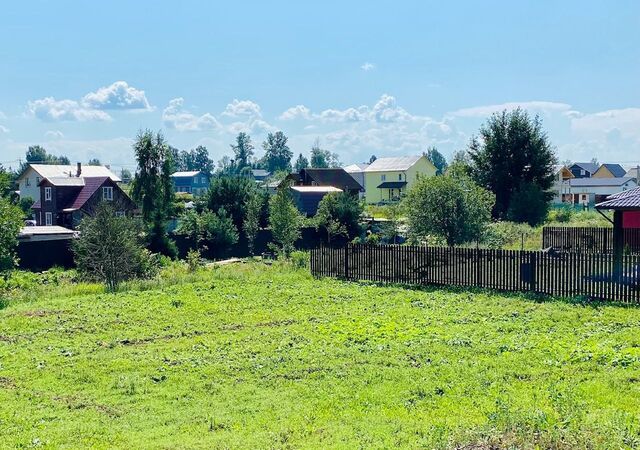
x: 255, y: 356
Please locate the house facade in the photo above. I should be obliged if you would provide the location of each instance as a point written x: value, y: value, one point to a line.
x: 357, y: 173
x: 336, y: 178
x: 388, y: 179
x: 307, y: 198
x: 29, y: 181
x: 583, y: 170
x: 65, y: 201
x: 561, y: 188
x: 609, y: 171
x: 590, y: 191
x: 194, y: 182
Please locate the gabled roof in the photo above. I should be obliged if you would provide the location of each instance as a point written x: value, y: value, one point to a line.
x: 594, y: 182
x: 90, y: 187
x: 305, y: 189
x: 67, y: 171
x: 634, y: 191
x: 393, y: 164
x: 629, y: 201
x: 616, y: 169
x: 354, y: 168
x: 588, y: 166
x: 331, y: 177
x: 188, y: 174
x: 64, y: 181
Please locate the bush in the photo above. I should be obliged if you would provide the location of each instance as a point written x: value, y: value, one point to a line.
x: 10, y: 224
x: 209, y: 231
x: 193, y: 260
x: 110, y: 250
x: 339, y: 214
x: 562, y: 214
x: 528, y: 204
x: 285, y: 221
x: 507, y: 234
x: 300, y: 259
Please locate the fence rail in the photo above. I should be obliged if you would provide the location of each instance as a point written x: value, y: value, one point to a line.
x: 564, y: 275
x: 588, y: 239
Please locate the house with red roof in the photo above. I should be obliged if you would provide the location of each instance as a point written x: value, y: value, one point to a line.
x: 64, y: 201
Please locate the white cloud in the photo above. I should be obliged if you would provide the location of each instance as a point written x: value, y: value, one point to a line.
x: 625, y: 121
x: 535, y: 106
x: 54, y: 134
x: 296, y: 112
x: 175, y: 116
x: 2, y: 115
x: 118, y: 95
x: 3, y: 129
x: 368, y: 66
x: 242, y: 108
x: 50, y: 110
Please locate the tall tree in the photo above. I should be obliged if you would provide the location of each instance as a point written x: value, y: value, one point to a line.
x: 231, y: 193
x: 339, y: 214
x: 152, y: 187
x: 37, y: 154
x: 251, y: 224
x: 277, y: 153
x: 513, y: 152
x: 94, y: 162
x: 301, y: 163
x: 437, y: 159
x: 201, y: 160
x: 372, y: 159
x: 322, y: 159
x: 243, y: 151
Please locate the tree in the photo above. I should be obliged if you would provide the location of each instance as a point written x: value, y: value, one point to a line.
x: 63, y: 160
x: 109, y: 248
x: 390, y: 229
x: 231, y: 193
x: 339, y: 209
x: 226, y: 166
x: 285, y: 221
x: 153, y: 189
x: 125, y: 176
x: 455, y: 209
x: 437, y: 159
x: 513, y: 150
x: 37, y: 154
x: 529, y: 205
x: 10, y: 224
x: 372, y: 159
x: 301, y: 163
x: 251, y: 224
x: 322, y: 159
x: 201, y: 160
x: 209, y: 230
x: 94, y: 162
x: 243, y: 151
x: 277, y: 153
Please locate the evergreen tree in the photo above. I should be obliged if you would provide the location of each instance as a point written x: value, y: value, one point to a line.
x: 437, y: 159
x: 301, y: 163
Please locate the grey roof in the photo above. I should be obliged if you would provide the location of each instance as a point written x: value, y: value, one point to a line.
x: 588, y: 182
x: 589, y: 167
x: 616, y: 170
x: 634, y: 191
x: 65, y: 181
x: 187, y: 174
x: 354, y: 168
x: 623, y: 202
x: 390, y: 164
x: 61, y: 171
x: 260, y: 173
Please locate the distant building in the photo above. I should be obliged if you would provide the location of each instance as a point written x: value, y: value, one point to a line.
x: 589, y: 191
x: 388, y: 179
x: 561, y: 188
x: 357, y: 172
x: 194, y: 182
x: 65, y: 201
x: 609, y: 171
x: 583, y: 170
x: 260, y: 175
x: 29, y: 181
x: 307, y: 198
x: 337, y: 178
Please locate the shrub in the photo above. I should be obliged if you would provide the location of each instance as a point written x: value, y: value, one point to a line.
x: 563, y: 214
x: 110, y: 250
x: 193, y: 260
x: 208, y: 230
x: 10, y: 223
x: 529, y: 204
x: 300, y: 259
x: 339, y: 214
x: 285, y: 221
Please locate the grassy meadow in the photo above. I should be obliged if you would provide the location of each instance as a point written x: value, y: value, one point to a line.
x: 257, y: 356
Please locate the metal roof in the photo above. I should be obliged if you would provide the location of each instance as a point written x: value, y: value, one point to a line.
x: 64, y: 181
x: 329, y: 177
x: 634, y: 191
x: 594, y: 182
x: 616, y: 169
x: 625, y: 202
x: 588, y: 166
x: 354, y: 168
x: 48, y: 229
x: 69, y: 171
x: 392, y: 185
x: 192, y: 173
x: 315, y: 189
x: 391, y: 164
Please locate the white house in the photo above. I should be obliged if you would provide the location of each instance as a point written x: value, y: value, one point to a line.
x: 29, y: 180
x: 357, y: 172
x: 589, y: 191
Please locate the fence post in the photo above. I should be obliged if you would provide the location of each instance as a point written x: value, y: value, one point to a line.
x: 346, y: 261
x: 534, y: 268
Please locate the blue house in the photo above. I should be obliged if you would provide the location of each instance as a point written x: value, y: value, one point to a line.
x: 196, y: 182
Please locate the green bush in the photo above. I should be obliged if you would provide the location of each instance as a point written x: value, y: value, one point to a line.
x: 562, y: 214
x: 300, y: 259
x: 193, y: 260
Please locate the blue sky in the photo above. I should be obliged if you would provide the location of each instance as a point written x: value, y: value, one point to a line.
x: 384, y: 78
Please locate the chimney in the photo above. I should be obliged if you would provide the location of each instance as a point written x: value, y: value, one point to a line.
x: 79, y: 170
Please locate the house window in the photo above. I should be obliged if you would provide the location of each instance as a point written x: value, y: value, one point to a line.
x: 583, y: 172
x: 119, y: 213
x: 37, y: 180
x: 400, y: 177
x: 27, y: 182
x: 383, y: 177
x: 107, y: 193
x: 48, y: 218
x: 47, y: 194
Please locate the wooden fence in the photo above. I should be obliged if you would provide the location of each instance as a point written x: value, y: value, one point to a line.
x: 564, y: 275
x: 588, y: 239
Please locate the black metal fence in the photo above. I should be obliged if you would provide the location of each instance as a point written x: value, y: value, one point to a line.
x: 588, y: 239
x: 565, y: 274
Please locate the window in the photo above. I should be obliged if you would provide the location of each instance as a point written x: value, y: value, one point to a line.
x: 37, y: 180
x: 107, y: 193
x: 119, y: 213
x: 48, y: 218
x: 203, y: 180
x: 583, y: 172
x: 400, y: 177
x: 383, y: 178
x: 47, y: 194
x: 27, y: 182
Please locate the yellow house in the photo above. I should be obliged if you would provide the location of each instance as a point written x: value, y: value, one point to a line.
x: 388, y: 179
x: 609, y: 171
